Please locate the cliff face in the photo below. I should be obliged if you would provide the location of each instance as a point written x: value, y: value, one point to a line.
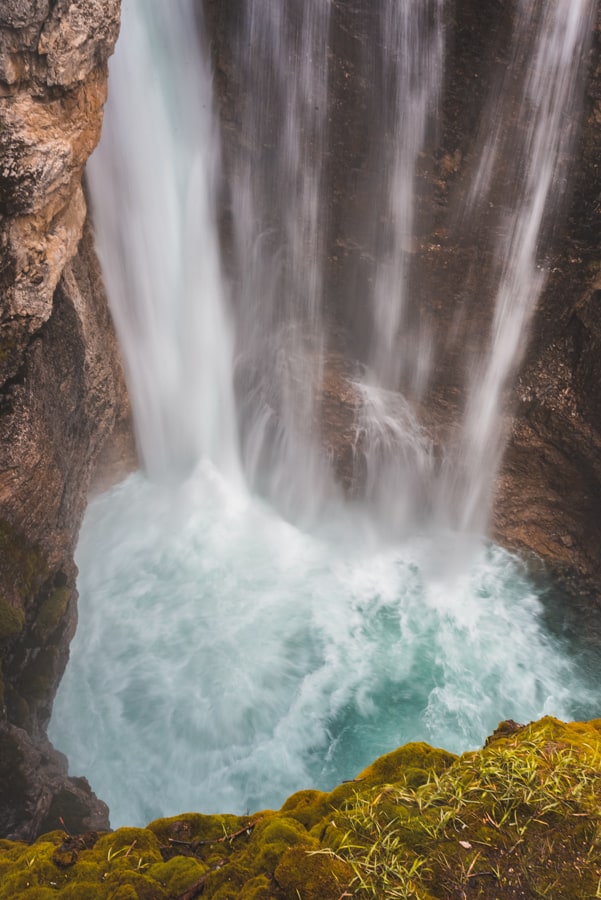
x: 60, y: 383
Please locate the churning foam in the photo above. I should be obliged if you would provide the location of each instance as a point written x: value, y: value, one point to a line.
x: 224, y: 658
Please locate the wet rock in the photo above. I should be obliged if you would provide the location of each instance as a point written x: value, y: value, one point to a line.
x: 36, y: 794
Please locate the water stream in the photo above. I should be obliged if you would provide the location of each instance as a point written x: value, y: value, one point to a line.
x: 246, y: 630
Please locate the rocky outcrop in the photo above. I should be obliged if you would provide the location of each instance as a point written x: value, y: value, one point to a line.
x: 60, y: 382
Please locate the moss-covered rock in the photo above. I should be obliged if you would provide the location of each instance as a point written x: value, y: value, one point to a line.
x: 304, y: 873
x: 12, y: 620
x: 51, y: 612
x: 520, y: 818
x: 24, y: 566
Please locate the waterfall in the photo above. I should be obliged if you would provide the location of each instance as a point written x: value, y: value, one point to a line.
x: 277, y: 214
x: 412, y: 60
x: 247, y: 628
x: 153, y: 184
x: 193, y: 337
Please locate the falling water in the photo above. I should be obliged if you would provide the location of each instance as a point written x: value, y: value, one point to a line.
x: 525, y: 156
x: 155, y: 227
x: 395, y: 455
x: 277, y: 211
x: 411, y: 77
x: 226, y: 656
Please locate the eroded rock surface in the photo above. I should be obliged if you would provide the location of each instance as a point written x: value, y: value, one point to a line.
x: 60, y: 380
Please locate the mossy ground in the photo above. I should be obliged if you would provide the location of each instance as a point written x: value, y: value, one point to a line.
x: 519, y: 819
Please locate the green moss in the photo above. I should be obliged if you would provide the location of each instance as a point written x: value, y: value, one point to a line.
x: 84, y: 891
x: 258, y: 888
x: 52, y: 612
x: 195, y: 827
x: 412, y: 758
x: 11, y: 849
x: 121, y: 884
x: 312, y: 876
x: 11, y: 620
x: 524, y: 812
x: 178, y: 874
x: 308, y: 807
x: 124, y: 892
x: 522, y: 817
x: 271, y: 839
x: 14, y: 884
x: 125, y: 841
x: 39, y: 893
x: 127, y: 851
x: 87, y: 872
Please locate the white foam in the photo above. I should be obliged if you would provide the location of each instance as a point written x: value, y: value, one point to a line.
x: 224, y: 658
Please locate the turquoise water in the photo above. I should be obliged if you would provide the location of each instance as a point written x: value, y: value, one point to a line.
x: 224, y: 658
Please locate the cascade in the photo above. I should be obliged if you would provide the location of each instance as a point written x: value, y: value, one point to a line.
x: 157, y: 241
x: 246, y: 630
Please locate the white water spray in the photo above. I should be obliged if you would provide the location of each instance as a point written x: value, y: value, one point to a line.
x: 225, y: 659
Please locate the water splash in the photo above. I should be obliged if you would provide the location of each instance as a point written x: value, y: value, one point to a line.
x: 225, y: 658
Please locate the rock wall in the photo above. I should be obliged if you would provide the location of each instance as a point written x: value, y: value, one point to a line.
x: 61, y: 387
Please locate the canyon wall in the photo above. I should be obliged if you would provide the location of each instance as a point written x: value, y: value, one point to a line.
x: 61, y: 387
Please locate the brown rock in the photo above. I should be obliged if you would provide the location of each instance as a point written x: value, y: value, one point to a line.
x: 61, y: 386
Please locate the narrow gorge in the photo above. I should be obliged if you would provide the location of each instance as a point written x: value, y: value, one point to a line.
x: 352, y: 256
